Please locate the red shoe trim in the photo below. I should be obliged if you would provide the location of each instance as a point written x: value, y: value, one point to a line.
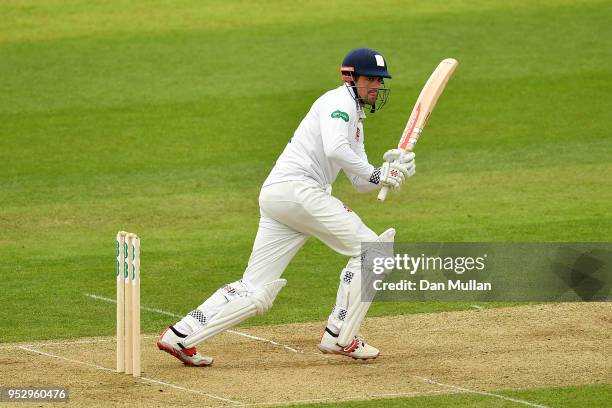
x: 190, y: 352
x: 351, y: 347
x: 180, y: 355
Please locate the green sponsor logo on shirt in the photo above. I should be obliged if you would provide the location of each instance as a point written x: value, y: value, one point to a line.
x: 342, y: 115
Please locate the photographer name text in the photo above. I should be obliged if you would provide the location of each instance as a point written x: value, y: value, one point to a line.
x: 425, y: 285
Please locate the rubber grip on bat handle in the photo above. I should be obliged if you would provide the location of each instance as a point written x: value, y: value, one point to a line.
x: 382, y: 194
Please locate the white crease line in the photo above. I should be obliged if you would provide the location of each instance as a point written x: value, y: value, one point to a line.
x: 489, y: 394
x: 279, y: 403
x: 477, y: 307
x: 163, y: 312
x: 67, y: 342
x: 264, y: 340
x: 54, y: 343
x: 178, y: 387
x: 372, y: 397
x: 406, y: 394
x: 148, y: 309
x: 99, y: 367
x: 237, y: 403
x: 145, y: 379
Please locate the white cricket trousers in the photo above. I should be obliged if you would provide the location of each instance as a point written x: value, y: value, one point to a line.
x: 291, y: 212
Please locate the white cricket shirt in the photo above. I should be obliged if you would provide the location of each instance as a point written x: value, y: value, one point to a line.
x: 318, y: 148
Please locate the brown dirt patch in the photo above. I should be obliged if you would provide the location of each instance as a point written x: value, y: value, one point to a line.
x: 490, y: 349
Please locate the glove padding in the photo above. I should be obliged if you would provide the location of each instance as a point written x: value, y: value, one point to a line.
x: 398, y: 155
x: 398, y: 167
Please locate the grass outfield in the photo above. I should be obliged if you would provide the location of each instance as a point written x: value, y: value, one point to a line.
x: 165, y: 118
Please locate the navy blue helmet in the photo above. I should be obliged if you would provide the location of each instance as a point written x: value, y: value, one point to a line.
x: 365, y: 62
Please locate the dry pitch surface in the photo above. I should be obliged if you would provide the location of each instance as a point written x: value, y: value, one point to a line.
x: 469, y: 351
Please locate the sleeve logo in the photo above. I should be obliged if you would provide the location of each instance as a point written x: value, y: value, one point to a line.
x: 342, y: 115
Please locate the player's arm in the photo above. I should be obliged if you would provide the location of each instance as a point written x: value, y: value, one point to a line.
x: 334, y: 124
x: 352, y: 164
x: 360, y: 184
x: 335, y: 134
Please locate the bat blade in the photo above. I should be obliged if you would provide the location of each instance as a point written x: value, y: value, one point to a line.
x: 422, y: 108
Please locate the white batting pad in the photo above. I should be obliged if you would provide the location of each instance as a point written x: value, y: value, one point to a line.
x: 357, y: 308
x: 237, y: 310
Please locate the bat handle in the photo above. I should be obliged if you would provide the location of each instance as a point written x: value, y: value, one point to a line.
x: 382, y: 194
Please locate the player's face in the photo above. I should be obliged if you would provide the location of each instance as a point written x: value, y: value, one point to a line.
x: 368, y: 88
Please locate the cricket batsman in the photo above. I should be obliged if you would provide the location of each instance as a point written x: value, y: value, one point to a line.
x: 296, y: 203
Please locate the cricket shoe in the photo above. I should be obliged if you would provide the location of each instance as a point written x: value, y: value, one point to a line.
x: 357, y: 349
x: 170, y: 342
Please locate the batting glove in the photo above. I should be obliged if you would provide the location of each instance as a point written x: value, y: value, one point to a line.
x: 398, y: 155
x: 393, y: 174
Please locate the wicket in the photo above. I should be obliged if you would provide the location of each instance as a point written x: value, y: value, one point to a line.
x: 128, y: 303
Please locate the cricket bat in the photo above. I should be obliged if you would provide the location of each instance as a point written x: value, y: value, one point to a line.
x: 422, y: 109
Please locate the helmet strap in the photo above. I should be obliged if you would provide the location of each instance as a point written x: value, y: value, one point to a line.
x: 353, y: 88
